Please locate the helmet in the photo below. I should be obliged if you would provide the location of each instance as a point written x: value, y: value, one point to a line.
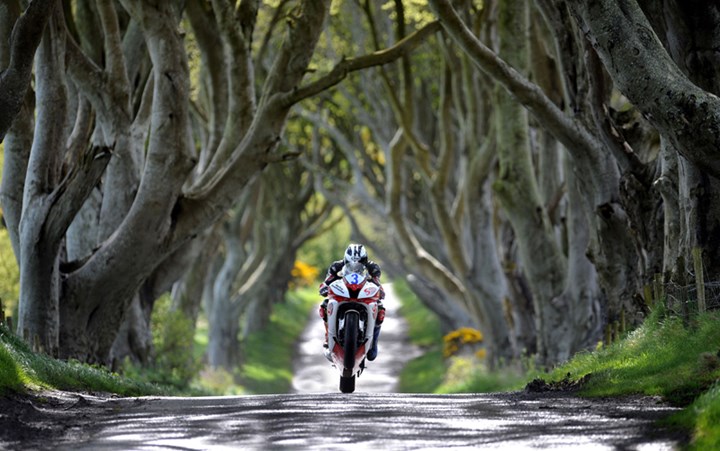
x: 355, y: 253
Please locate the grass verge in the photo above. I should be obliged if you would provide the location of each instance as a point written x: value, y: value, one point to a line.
x: 22, y: 370
x: 663, y: 357
x: 268, y: 360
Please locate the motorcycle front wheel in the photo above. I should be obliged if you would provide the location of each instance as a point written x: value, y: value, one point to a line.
x: 347, y: 383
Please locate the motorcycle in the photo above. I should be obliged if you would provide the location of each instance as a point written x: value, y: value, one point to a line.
x: 352, y: 311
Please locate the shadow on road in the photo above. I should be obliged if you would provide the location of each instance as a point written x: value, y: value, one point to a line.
x: 361, y: 421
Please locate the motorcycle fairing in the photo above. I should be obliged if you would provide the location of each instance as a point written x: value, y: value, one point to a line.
x: 368, y: 291
x: 339, y: 288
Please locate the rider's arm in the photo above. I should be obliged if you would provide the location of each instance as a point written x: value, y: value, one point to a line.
x: 374, y: 270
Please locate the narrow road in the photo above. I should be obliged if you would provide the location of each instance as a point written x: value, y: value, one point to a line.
x: 316, y: 416
x: 314, y: 374
x: 378, y: 421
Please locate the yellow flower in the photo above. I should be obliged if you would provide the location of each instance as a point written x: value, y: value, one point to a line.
x: 455, y: 339
x: 304, y: 274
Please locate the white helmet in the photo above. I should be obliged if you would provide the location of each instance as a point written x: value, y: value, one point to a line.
x: 355, y: 253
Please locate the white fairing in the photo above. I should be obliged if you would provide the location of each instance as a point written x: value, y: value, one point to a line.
x: 368, y: 291
x: 339, y: 288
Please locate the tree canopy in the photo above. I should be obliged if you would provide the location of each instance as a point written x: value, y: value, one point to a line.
x: 532, y: 167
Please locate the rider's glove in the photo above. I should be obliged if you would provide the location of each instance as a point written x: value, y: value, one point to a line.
x: 324, y: 291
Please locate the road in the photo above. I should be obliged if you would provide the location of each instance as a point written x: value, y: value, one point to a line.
x: 378, y: 421
x: 316, y: 416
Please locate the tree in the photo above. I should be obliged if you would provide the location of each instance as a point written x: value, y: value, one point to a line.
x: 667, y: 80
x: 141, y: 169
x: 20, y: 38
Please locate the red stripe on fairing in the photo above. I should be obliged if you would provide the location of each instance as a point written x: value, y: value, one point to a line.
x: 338, y: 350
x: 360, y: 301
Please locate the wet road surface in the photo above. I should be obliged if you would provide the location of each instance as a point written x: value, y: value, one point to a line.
x: 316, y: 416
x: 512, y: 421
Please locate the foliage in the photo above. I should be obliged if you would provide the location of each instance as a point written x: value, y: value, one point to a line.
x: 218, y: 381
x: 470, y: 374
x: 423, y: 325
x: 9, y: 275
x: 21, y: 369
x: 326, y: 248
x: 662, y: 357
x: 703, y: 418
x: 416, y: 11
x: 172, y: 338
x: 267, y: 366
x: 454, y: 341
x: 423, y: 374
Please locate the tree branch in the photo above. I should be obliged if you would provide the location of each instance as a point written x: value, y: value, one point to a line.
x: 71, y: 193
x: 681, y: 111
x: 587, y: 151
x: 346, y: 66
x: 24, y: 41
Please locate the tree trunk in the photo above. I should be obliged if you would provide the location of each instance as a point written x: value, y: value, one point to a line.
x: 223, y: 349
x: 518, y: 192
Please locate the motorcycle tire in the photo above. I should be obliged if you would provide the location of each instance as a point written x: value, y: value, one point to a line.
x: 347, y: 381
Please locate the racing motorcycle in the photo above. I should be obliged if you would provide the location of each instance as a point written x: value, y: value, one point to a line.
x: 352, y: 311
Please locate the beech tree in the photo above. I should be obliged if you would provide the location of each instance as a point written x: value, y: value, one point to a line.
x: 622, y: 179
x: 611, y: 208
x: 121, y: 176
x: 20, y: 38
x: 536, y: 168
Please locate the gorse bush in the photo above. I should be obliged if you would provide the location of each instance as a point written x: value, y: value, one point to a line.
x: 304, y: 275
x: 454, y: 341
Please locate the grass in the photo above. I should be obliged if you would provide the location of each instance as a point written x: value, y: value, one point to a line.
x: 663, y: 357
x: 267, y: 366
x: 423, y: 325
x: 426, y: 373
x: 22, y: 370
x: 268, y: 361
x: 470, y: 375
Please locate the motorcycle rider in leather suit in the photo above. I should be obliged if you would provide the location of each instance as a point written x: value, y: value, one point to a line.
x: 354, y: 253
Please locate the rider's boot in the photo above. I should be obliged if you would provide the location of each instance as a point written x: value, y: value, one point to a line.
x: 372, y: 354
x: 374, y: 350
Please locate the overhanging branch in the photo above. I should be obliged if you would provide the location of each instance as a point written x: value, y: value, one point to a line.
x: 346, y: 66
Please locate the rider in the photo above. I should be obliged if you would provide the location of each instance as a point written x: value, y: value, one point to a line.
x: 354, y: 253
